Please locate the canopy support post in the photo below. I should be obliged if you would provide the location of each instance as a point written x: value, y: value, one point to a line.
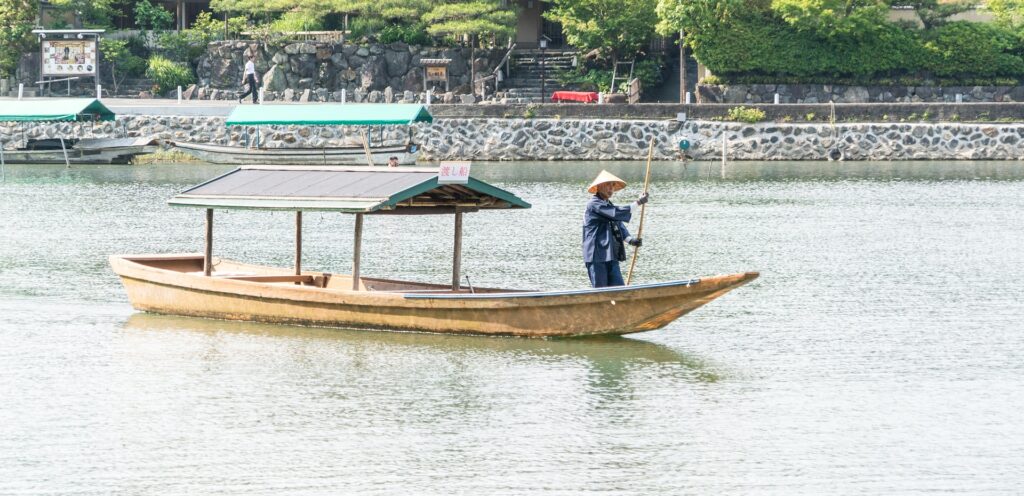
x: 67, y: 163
x: 457, y: 252
x: 298, y: 243
x: 356, y: 251
x: 208, y: 253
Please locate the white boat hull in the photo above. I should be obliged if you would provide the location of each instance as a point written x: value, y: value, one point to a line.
x: 236, y: 155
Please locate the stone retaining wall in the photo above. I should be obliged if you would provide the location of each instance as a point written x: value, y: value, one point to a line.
x: 321, y: 70
x: 594, y: 139
x: 824, y: 93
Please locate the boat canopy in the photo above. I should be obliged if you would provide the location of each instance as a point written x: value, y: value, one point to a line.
x: 55, y: 109
x: 357, y: 190
x: 351, y: 114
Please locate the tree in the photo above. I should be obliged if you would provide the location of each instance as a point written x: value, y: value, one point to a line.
x: 93, y: 13
x: 121, y: 61
x: 16, y: 20
x: 699, y: 15
x: 1008, y: 13
x: 472, y: 18
x: 933, y: 13
x: 615, y: 27
x: 152, y: 17
x: 857, y: 19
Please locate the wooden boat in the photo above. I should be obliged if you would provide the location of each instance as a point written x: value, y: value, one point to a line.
x: 67, y: 149
x: 258, y: 116
x: 82, y: 151
x: 352, y: 155
x: 203, y: 286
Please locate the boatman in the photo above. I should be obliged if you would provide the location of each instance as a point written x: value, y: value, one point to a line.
x: 604, y: 231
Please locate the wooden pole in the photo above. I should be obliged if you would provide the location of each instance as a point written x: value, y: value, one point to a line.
x: 208, y: 253
x: 357, y: 251
x: 366, y: 148
x: 682, y: 66
x: 457, y: 252
x: 298, y: 242
x: 643, y: 210
x: 67, y: 163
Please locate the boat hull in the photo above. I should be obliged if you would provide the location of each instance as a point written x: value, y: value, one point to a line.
x: 118, y: 151
x: 236, y: 155
x: 161, y: 284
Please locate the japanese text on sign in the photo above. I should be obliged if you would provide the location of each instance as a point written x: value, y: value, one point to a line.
x: 453, y: 173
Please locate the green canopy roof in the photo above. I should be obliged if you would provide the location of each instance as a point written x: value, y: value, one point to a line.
x: 351, y: 114
x: 345, y: 189
x: 54, y: 109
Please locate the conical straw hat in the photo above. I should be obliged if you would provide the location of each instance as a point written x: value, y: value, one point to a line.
x: 606, y: 177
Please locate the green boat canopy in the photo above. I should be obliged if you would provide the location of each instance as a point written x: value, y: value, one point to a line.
x: 357, y: 190
x: 54, y: 109
x: 351, y: 114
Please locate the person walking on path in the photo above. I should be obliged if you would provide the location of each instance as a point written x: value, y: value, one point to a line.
x: 249, y: 77
x: 604, y: 231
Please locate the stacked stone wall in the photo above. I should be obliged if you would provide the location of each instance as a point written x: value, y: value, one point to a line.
x: 824, y: 93
x: 318, y: 71
x: 589, y: 139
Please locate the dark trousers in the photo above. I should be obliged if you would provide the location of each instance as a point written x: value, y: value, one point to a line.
x: 604, y: 274
x: 251, y: 81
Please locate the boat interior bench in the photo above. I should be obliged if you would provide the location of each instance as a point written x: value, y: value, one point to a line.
x: 305, y: 280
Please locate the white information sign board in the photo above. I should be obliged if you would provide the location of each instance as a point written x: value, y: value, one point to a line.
x: 69, y: 57
x: 455, y: 172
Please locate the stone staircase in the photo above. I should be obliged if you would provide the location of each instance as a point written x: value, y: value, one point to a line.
x: 524, y: 82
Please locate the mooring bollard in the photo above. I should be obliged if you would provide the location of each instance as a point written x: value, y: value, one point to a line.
x: 687, y: 97
x: 21, y: 90
x: 260, y: 97
x: 179, y: 95
x: 776, y: 99
x: 343, y: 95
x: 600, y: 98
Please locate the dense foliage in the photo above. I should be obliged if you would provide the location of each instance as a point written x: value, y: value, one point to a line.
x: 16, y: 18
x: 154, y: 17
x: 833, y: 41
x: 610, y: 26
x: 409, y: 21
x: 120, y: 61
x: 168, y: 75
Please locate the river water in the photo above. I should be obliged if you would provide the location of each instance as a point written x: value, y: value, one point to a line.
x: 880, y: 352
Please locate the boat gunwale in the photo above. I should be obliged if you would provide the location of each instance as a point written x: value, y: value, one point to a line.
x: 485, y: 300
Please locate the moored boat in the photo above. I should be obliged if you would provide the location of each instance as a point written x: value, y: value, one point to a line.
x: 255, y: 117
x: 68, y: 149
x: 237, y: 155
x: 203, y: 286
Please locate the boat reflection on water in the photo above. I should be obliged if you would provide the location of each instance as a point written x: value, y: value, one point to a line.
x: 608, y: 358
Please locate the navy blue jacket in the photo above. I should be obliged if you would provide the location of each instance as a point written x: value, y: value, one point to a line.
x: 599, y: 245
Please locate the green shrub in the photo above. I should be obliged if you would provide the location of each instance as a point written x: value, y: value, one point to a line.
x: 414, y: 34
x: 749, y: 115
x: 168, y: 75
x: 206, y: 28
x: 365, y: 27
x: 977, y: 49
x: 648, y: 71
x: 756, y: 46
x: 152, y: 17
x: 297, y: 20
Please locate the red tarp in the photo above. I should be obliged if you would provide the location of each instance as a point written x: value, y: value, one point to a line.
x: 574, y: 96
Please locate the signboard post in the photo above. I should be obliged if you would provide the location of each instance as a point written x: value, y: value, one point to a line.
x: 68, y: 54
x: 454, y: 172
x: 435, y: 71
